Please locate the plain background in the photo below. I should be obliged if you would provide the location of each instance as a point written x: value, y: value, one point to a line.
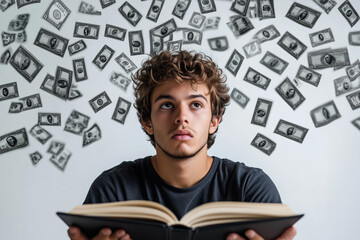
x: 319, y: 177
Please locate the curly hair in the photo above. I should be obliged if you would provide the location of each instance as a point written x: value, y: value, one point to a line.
x: 183, y: 67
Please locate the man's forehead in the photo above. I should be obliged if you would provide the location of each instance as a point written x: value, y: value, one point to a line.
x: 180, y: 90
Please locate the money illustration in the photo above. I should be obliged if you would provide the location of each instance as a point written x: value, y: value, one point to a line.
x: 321, y: 37
x: 353, y: 71
x: 106, y: 3
x: 103, y: 57
x: 234, y: 63
x: 165, y: 29
x: 290, y: 94
x: 5, y: 56
x: 292, y: 45
x: 30, y: 102
x: 325, y: 5
x: 191, y: 36
x: 15, y: 107
x: 86, y: 30
x: 354, y: 38
x: 35, y: 157
x: 88, y: 9
x: 115, y: 32
x: 211, y: 23
x: 130, y: 13
x: 22, y: 3
x: 356, y: 122
x: 63, y: 82
x: 19, y: 23
x: 100, y: 101
x: 49, y: 119
x: 354, y: 100
x: 80, y: 72
x: 6, y: 4
x: 266, y: 34
x: 325, y: 114
x: 76, y: 123
x: 156, y: 44
x: 197, y: 20
x: 21, y: 37
x: 240, y: 7
x: 125, y: 63
x: 254, y: 77
x: 274, y: 63
x: 291, y: 131
x: 174, y: 46
x: 40, y: 134
x: 266, y: 9
x: 13, y: 140
x: 136, y: 43
x: 121, y: 110
x: 91, y: 135
x: 252, y: 48
x: 349, y: 13
x: 76, y: 47
x: 51, y: 42
x: 60, y: 160
x: 8, y: 91
x: 120, y: 80
x: 74, y: 93
x: 239, y: 97
x: 345, y: 85
x: 218, y: 43
x: 328, y: 58
x: 303, y: 15
x: 207, y: 6
x: 57, y: 13
x: 261, y: 112
x: 264, y: 144
x: 308, y: 75
x: 180, y: 8
x: 155, y: 9
x: 7, y: 38
x: 25, y: 63
x: 48, y: 84
x: 240, y: 25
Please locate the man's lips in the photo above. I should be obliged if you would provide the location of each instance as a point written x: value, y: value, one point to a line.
x: 182, y: 135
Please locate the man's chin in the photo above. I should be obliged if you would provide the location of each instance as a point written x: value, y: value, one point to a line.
x: 181, y: 152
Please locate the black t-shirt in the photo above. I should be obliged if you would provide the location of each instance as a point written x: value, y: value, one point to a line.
x: 226, y: 181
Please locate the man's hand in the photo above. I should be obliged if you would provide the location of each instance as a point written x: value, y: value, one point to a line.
x: 105, y: 234
x: 289, y: 234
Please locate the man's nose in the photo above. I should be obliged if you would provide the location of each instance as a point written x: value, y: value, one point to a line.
x: 182, y: 114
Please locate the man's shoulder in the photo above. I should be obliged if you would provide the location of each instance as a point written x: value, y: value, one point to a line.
x: 127, y: 166
x: 227, y: 164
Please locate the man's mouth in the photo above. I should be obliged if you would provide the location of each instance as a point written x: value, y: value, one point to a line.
x: 182, y: 135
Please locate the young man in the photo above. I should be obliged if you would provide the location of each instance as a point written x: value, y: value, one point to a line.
x: 180, y: 100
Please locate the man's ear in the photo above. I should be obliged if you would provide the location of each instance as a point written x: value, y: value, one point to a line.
x: 147, y: 126
x: 214, y: 124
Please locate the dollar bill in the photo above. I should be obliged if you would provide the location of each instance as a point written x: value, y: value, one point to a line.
x: 155, y: 10
x: 321, y: 37
x: 15, y: 107
x: 91, y: 135
x: 57, y: 13
x: 303, y: 15
x: 266, y: 9
x: 326, y: 5
x: 76, y: 47
x: 120, y: 80
x: 100, y: 101
x: 80, y: 72
x: 76, y: 122
x: 274, y: 63
x: 130, y: 13
x: 353, y: 71
x: 121, y: 110
x: 136, y: 43
x: 74, y: 93
x: 40, y: 134
x: 49, y: 119
x: 328, y: 58
x: 86, y: 30
x: 218, y: 43
x: 291, y: 131
x: 253, y: 10
x: 63, y: 82
x: 261, y: 112
x: 22, y: 3
x: 13, y: 140
x: 51, y: 42
x: 48, y: 84
x: 354, y: 100
x: 252, y: 48
x: 115, y: 32
x: 290, y: 94
x: 5, y: 56
x: 19, y: 23
x: 191, y: 36
x: 292, y: 45
x: 344, y: 85
x: 174, y: 46
x: 239, y: 97
x: 256, y: 78
x: 240, y: 7
x: 354, y: 38
x: 31, y: 102
x: 165, y: 29
x: 180, y: 8
x: 211, y: 23
x: 125, y: 63
x: 356, y: 122
x: 263, y: 143
x: 324, y: 114
x: 156, y: 43
x: 88, y: 9
x: 197, y: 20
x: 21, y: 37
x: 240, y: 26
x: 103, y: 57
x: 207, y: 6
x: 349, y: 13
x: 35, y: 157
x: 308, y: 75
x: 5, y: 4
x: 7, y: 38
x: 234, y: 63
x: 266, y: 34
x: 8, y: 91
x: 60, y: 160
x: 106, y: 3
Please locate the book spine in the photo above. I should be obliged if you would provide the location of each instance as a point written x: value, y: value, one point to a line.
x: 179, y: 233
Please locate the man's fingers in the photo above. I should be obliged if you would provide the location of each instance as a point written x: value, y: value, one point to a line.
x: 104, y: 234
x: 234, y: 236
x: 120, y: 235
x: 252, y: 235
x: 288, y: 234
x: 75, y: 234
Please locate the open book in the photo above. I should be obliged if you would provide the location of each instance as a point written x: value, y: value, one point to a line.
x: 214, y: 220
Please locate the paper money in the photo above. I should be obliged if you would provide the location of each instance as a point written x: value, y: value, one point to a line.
x: 321, y: 37
x: 80, y: 72
x: 15, y: 107
x: 344, y: 85
x: 130, y: 13
x: 349, y: 13
x: 51, y: 42
x: 252, y: 48
x: 266, y: 34
x: 261, y: 112
x: 100, y: 101
x: 211, y: 23
x: 354, y: 100
x: 91, y: 135
x: 35, y: 157
x: 239, y: 97
x: 303, y: 15
x: 266, y: 9
x: 136, y: 43
x: 49, y: 119
x: 326, y: 5
x: 60, y: 160
x: 21, y: 37
x: 324, y: 114
x: 264, y: 144
x: 354, y: 38
x: 174, y: 46
x: 5, y: 56
x: 165, y: 29
x: 254, y: 77
x: 103, y: 57
x: 291, y: 131
x: 218, y: 43
x: 121, y: 110
x: 240, y: 7
x: 40, y: 134
x: 356, y: 122
x: 308, y: 75
x: 57, y: 13
x: 76, y: 122
x: 25, y: 63
x: 274, y: 63
x: 234, y: 63
x: 156, y: 44
x: 120, y: 80
x: 8, y: 91
x: 76, y: 47
x: 197, y: 20
x: 328, y: 58
x: 88, y: 9
x: 191, y: 36
x: 353, y: 71
x: 13, y: 140
x: 115, y: 32
x: 48, y: 84
x: 63, y: 82
x: 5, y: 4
x: 292, y: 45
x: 155, y: 9
x: 30, y: 102
x: 125, y: 63
x: 207, y: 6
x: 19, y: 23
x: 22, y: 3
x: 7, y: 38
x: 240, y: 26
x: 290, y: 94
x: 180, y: 8
x: 86, y: 30
x: 106, y: 3
x: 74, y: 93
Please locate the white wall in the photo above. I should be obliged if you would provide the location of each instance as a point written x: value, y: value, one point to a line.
x: 319, y: 177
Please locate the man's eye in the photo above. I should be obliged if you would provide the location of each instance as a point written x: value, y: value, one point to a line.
x: 196, y: 105
x: 166, y: 106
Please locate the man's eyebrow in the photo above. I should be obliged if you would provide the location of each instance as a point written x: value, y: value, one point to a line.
x: 193, y: 96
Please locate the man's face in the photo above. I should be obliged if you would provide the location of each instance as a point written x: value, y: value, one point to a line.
x: 181, y: 119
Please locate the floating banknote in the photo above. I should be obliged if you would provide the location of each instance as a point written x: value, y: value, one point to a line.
x: 77, y: 47
x: 19, y: 23
x: 266, y: 9
x: 115, y: 32
x: 303, y: 15
x: 266, y: 34
x: 156, y: 44
x: 191, y: 36
x: 31, y: 102
x: 13, y: 140
x: 103, y: 57
x: 60, y: 160
x: 343, y: 85
x: 76, y: 123
x: 88, y: 9
x: 63, y: 82
x: 80, y: 72
x: 121, y: 110
x: 211, y: 23
x: 292, y: 45
x: 197, y: 20
x: 35, y: 157
x: 290, y: 94
x: 328, y: 58
x: 100, y: 101
x: 120, y: 80
x: 354, y: 38
x: 353, y: 71
x: 180, y: 8
x: 155, y: 10
x: 174, y: 46
x: 165, y: 29
x: 240, y: 25
x: 326, y: 5
x: 354, y: 100
x: 57, y: 13
x: 349, y: 13
x: 274, y: 63
x: 136, y: 43
x: 308, y: 75
x: 252, y: 48
x: 125, y: 63
x: 291, y: 131
x: 8, y: 91
x: 74, y: 93
x: 5, y: 56
x: 218, y: 43
x: 7, y: 38
x: 22, y: 3
x: 207, y: 6
x: 5, y: 4
x: 321, y: 37
x: 48, y: 84
x: 130, y: 13
x: 240, y: 7
x: 234, y: 63
x: 40, y: 134
x: 21, y: 37
x: 106, y: 3
x: 261, y: 112
x: 239, y: 97
x: 254, y: 77
x: 15, y: 107
x: 263, y: 143
x: 51, y: 42
x: 86, y: 30
x: 91, y: 135
x: 356, y: 122
x: 324, y: 114
x: 49, y: 119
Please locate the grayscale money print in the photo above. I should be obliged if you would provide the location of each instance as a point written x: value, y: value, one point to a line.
x: 239, y: 97
x: 115, y: 32
x: 56, y: 147
x: 50, y: 119
x: 91, y: 135
x: 265, y: 9
x: 207, y: 6
x: 266, y: 34
x: 344, y: 85
x: 356, y: 122
x: 354, y: 100
x: 290, y: 94
x: 191, y: 36
x: 321, y: 37
x: 303, y: 15
x: 180, y: 8
x: 103, y: 57
x: 106, y: 3
x: 30, y: 102
x: 274, y: 63
x: 125, y: 63
x: 353, y: 71
x: 51, y: 42
x: 234, y: 62
x: 252, y: 48
x: 324, y: 114
x: 349, y: 13
x: 354, y: 38
x: 155, y: 10
x: 121, y: 110
x: 76, y: 122
x: 256, y: 78
x: 174, y: 46
x: 326, y: 5
x: 22, y: 3
x: 8, y: 91
x: 5, y: 4
x: 35, y: 157
x: 211, y: 23
x: 218, y: 43
x: 326, y: 58
x: 197, y: 20
x: 100, y: 101
x: 88, y: 8
x: 63, y: 82
x: 165, y: 29
x: 5, y: 56
x: 308, y: 75
x: 86, y: 30
x: 291, y: 131
x: 76, y: 47
x: 263, y: 143
x: 261, y: 112
x: 120, y: 80
x: 13, y: 140
x: 240, y: 7
x: 61, y: 159
x: 80, y: 72
x: 57, y: 13
x: 130, y: 13
x: 292, y: 45
x: 41, y: 134
x: 240, y: 25
x: 136, y: 43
